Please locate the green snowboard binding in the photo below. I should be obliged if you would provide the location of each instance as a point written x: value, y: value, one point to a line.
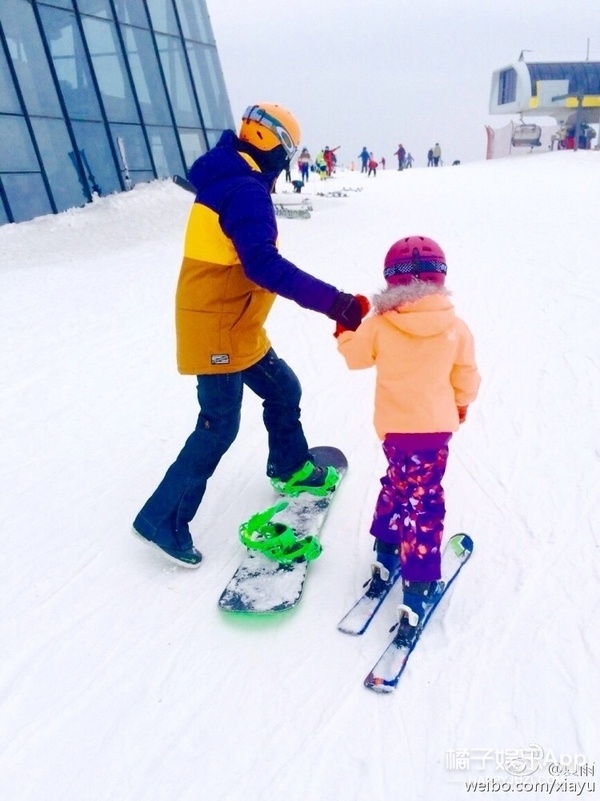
x: 303, y: 480
x: 277, y: 541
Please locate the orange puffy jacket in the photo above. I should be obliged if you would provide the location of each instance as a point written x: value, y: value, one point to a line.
x: 425, y: 360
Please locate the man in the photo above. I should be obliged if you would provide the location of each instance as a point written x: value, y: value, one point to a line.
x: 364, y: 160
x: 230, y: 276
x: 330, y: 159
x: 401, y: 153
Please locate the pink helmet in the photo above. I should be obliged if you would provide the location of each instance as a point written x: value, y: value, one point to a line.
x: 415, y: 257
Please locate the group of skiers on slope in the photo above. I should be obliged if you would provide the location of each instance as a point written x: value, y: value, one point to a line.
x: 325, y: 161
x: 324, y: 164
x: 423, y: 354
x: 405, y: 160
x: 434, y: 156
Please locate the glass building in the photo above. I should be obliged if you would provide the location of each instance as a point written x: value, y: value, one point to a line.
x: 98, y: 95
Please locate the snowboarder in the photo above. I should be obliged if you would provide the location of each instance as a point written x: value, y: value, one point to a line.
x: 426, y: 379
x: 230, y: 276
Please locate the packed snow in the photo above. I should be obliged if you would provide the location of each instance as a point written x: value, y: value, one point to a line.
x: 120, y: 678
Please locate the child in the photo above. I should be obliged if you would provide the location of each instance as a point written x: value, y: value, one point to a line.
x: 426, y: 379
x: 321, y: 165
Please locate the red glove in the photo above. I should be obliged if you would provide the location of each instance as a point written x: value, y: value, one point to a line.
x: 462, y: 413
x: 365, y: 307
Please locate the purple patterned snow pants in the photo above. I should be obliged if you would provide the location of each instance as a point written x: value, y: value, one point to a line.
x: 410, y: 509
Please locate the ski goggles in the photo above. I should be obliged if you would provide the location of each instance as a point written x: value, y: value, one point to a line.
x: 259, y: 115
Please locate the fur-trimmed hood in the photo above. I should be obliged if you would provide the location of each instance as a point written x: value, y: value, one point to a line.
x: 421, y: 309
x: 392, y: 297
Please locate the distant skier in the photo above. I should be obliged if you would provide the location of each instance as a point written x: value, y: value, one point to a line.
x: 364, y: 160
x: 430, y: 157
x: 408, y: 161
x: 437, y: 154
x: 321, y: 165
x: 401, y: 154
x: 330, y: 159
x: 372, y: 166
x: 304, y: 164
x: 426, y: 378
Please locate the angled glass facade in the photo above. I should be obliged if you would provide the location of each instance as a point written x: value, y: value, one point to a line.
x: 98, y: 95
x: 583, y: 76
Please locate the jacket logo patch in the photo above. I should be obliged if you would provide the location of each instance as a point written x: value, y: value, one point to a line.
x: 219, y: 358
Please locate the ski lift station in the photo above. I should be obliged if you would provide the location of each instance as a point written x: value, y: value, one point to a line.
x: 568, y: 91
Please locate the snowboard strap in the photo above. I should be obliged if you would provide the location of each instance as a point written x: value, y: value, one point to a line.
x: 295, y: 483
x: 278, y: 541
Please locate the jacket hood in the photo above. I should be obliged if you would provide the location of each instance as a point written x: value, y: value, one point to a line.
x: 225, y: 161
x: 419, y: 309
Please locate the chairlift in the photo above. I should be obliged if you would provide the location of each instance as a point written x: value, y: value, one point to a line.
x: 527, y: 136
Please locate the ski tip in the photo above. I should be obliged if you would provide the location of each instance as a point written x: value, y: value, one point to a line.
x: 379, y: 685
x: 349, y: 630
x: 461, y: 544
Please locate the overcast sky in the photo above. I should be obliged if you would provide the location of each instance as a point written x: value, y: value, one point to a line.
x: 381, y: 72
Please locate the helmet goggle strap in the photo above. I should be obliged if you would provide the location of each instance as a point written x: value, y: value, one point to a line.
x: 415, y: 267
x: 259, y: 115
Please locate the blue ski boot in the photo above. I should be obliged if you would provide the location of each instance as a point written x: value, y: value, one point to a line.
x: 417, y: 597
x: 386, y: 568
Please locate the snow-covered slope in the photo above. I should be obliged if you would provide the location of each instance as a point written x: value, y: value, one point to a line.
x: 120, y: 679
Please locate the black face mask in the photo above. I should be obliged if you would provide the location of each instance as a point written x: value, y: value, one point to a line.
x: 269, y: 161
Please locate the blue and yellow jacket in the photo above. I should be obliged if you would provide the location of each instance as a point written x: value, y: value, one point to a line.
x: 232, y: 270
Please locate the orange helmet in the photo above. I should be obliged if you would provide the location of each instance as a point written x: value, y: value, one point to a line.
x: 268, y: 125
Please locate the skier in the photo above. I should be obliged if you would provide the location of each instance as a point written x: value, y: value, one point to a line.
x: 364, y: 160
x: 330, y: 159
x: 401, y: 153
x: 437, y: 154
x: 408, y: 161
x: 288, y: 174
x: 321, y: 165
x: 426, y: 379
x: 372, y: 166
x: 304, y: 164
x: 231, y: 274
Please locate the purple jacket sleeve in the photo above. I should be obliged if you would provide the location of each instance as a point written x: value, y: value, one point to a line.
x: 248, y: 219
